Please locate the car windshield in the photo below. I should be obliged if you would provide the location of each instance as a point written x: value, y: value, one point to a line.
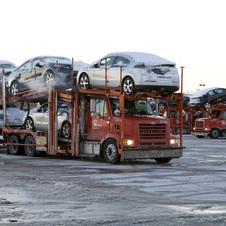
x: 56, y: 58
x: 134, y: 107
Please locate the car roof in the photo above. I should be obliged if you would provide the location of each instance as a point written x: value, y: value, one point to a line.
x: 203, y: 92
x: 143, y: 58
x: 6, y: 62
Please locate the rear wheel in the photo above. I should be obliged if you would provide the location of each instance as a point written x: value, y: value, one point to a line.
x: 214, y: 133
x: 15, y: 88
x: 13, y: 149
x: 128, y: 85
x: 30, y: 150
x: 111, y: 154
x: 162, y: 160
x: 49, y: 77
x: 84, y: 81
x: 66, y: 130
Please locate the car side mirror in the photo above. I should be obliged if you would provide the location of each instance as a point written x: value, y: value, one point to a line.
x: 96, y: 66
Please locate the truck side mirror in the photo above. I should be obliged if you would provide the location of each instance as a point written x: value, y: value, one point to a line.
x: 117, y: 112
x: 93, y: 108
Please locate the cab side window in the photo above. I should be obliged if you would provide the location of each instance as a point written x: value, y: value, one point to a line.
x: 101, y: 108
x: 223, y: 115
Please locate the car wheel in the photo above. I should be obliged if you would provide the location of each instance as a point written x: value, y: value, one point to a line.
x: 84, y: 81
x: 214, y: 133
x: 30, y: 150
x: 111, y: 154
x: 29, y: 125
x: 66, y: 130
x: 162, y: 160
x: 49, y: 77
x: 13, y: 149
x: 128, y: 85
x: 15, y: 88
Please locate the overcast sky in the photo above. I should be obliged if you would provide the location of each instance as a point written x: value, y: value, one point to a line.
x: 188, y: 32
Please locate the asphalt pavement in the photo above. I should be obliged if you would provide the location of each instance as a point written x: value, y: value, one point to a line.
x: 65, y: 191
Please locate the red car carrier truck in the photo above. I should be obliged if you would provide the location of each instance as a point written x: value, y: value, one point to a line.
x: 101, y: 123
x: 214, y: 125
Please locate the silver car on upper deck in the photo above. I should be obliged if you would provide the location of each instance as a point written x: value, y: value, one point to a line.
x: 140, y: 71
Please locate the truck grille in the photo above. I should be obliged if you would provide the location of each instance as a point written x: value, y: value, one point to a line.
x: 149, y: 131
x: 199, y: 124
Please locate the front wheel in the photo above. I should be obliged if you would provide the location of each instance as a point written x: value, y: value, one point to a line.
x: 214, y: 133
x: 29, y: 125
x: 111, y: 154
x: 84, y: 81
x: 30, y: 150
x: 128, y: 85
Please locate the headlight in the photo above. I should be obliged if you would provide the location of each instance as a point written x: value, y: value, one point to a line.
x: 173, y: 141
x: 128, y: 142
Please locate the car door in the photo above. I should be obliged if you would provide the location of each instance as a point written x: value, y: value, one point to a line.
x: 41, y: 118
x: 23, y: 72
x: 114, y: 71
x: 98, y: 74
x: 98, y: 124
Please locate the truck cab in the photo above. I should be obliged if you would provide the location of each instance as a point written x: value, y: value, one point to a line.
x: 214, y: 125
x: 131, y: 131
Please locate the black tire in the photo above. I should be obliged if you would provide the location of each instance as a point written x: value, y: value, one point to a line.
x: 165, y: 93
x: 49, y: 77
x: 111, y: 154
x: 214, y: 133
x: 13, y: 149
x: 128, y: 85
x: 84, y: 81
x: 15, y: 88
x: 30, y: 150
x: 29, y: 124
x: 66, y: 130
x: 162, y: 160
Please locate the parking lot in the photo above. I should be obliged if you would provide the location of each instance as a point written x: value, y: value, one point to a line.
x: 64, y: 191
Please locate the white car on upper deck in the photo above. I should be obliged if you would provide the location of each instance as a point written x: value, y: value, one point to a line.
x: 140, y: 71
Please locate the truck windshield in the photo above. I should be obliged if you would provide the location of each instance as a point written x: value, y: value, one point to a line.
x: 214, y: 114
x: 133, y: 107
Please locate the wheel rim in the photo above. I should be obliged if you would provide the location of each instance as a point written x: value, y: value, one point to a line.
x: 84, y: 82
x: 66, y: 130
x: 127, y: 86
x: 49, y: 78
x: 215, y: 133
x: 111, y: 151
x: 29, y: 124
x: 14, y: 89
